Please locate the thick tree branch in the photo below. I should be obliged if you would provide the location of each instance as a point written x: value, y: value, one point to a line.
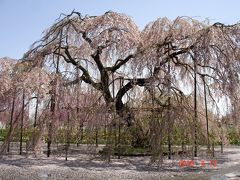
x: 85, y: 76
x: 119, y: 63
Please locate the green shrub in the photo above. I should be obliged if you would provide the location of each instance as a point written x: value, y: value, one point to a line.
x: 233, y: 136
x: 3, y: 134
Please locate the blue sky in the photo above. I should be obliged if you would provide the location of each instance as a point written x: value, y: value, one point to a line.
x: 23, y: 21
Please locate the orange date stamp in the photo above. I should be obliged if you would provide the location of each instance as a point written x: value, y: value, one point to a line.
x: 202, y: 163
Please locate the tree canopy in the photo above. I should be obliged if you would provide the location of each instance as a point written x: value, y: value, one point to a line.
x: 106, y: 61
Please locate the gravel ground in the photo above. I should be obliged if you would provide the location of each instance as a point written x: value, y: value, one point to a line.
x: 84, y: 166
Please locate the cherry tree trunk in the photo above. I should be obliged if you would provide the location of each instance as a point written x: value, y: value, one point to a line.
x: 195, y: 108
x: 11, y: 124
x: 21, y: 128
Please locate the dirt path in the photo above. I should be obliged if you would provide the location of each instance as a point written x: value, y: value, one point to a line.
x: 229, y: 173
x: 89, y: 167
